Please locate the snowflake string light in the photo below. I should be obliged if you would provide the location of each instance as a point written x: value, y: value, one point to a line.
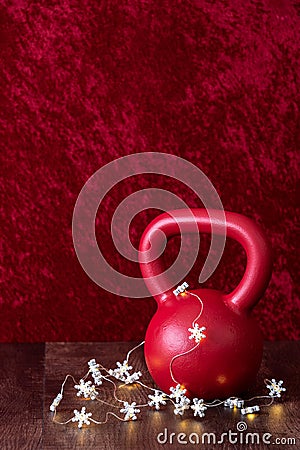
x: 157, y: 399
x: 198, y: 407
x: 181, y: 288
x: 130, y: 411
x: 81, y: 417
x: 250, y: 410
x: 56, y: 402
x: 234, y: 402
x: 275, y: 388
x: 183, y: 405
x: 95, y: 371
x: 122, y: 371
x: 133, y: 377
x: 86, y: 389
x: 181, y: 401
x: 197, y: 333
x: 177, y: 393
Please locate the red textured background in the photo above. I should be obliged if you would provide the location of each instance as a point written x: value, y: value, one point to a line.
x: 85, y: 82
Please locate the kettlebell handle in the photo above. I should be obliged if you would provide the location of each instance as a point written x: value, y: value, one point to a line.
x: 259, y: 261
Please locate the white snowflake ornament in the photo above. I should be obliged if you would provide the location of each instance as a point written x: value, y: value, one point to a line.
x: 275, y: 388
x: 86, y: 389
x: 122, y: 371
x: 198, y: 407
x: 181, y: 401
x: 157, y: 399
x: 183, y: 405
x: 177, y: 393
x: 81, y: 417
x: 133, y: 377
x: 95, y: 372
x: 130, y: 411
x: 197, y: 333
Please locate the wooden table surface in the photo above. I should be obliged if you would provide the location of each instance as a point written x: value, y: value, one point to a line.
x: 31, y: 376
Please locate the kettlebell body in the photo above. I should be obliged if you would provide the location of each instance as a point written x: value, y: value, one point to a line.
x: 226, y: 362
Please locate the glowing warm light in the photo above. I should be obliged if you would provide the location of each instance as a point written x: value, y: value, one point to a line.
x: 276, y: 411
x: 184, y: 424
x: 221, y: 379
x: 81, y: 437
x: 156, y: 418
x: 131, y: 427
x: 198, y: 427
x: 251, y: 417
x: 129, y: 387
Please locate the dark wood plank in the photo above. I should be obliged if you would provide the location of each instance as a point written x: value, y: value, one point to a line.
x: 21, y: 400
x: 281, y: 361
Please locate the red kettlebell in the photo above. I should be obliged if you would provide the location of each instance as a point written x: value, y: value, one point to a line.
x: 226, y: 362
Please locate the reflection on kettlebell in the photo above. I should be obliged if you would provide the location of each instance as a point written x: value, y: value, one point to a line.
x: 226, y: 362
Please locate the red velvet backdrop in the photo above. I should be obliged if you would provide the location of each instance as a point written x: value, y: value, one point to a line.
x: 85, y: 82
